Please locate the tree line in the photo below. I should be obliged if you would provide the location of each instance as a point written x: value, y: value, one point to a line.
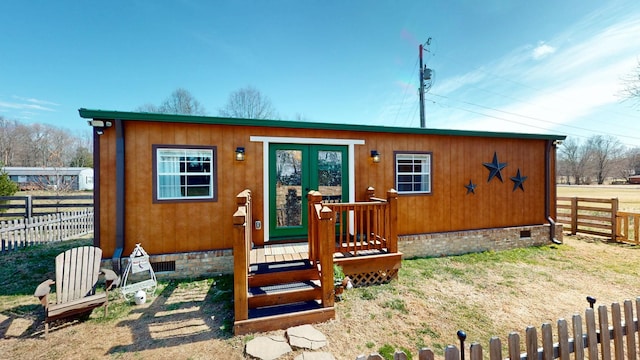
x: 598, y: 159
x: 41, y: 145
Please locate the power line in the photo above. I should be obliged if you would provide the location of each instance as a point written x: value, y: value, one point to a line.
x: 524, y: 116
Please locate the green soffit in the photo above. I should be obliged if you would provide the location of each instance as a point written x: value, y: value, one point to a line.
x: 191, y: 119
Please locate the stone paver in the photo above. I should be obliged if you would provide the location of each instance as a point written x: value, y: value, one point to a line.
x: 306, y: 337
x: 267, y: 347
x: 315, y: 356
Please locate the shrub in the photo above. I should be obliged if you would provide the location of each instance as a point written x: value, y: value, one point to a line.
x: 7, y: 187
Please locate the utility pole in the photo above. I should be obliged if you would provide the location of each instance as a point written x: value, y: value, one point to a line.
x: 425, y: 74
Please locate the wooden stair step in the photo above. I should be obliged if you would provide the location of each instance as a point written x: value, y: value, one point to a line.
x: 274, y: 267
x: 283, y: 316
x: 280, y: 294
x: 288, y: 276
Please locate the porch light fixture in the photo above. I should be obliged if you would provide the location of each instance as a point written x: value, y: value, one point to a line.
x: 99, y: 125
x: 375, y: 156
x: 239, y: 153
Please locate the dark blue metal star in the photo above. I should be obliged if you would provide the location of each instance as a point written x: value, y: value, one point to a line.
x: 495, y: 167
x: 471, y: 187
x: 518, y: 180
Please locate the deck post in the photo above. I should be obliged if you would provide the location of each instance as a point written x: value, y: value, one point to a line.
x: 392, y: 242
x: 614, y: 214
x: 314, y: 200
x: 371, y: 192
x: 326, y: 237
x: 574, y: 215
x: 241, y: 253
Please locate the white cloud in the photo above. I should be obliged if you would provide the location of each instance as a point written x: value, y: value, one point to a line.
x: 529, y: 96
x: 27, y: 104
x: 542, y: 50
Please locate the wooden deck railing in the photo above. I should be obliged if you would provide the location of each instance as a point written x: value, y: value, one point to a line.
x: 242, y: 245
x: 324, y: 225
x: 359, y: 227
x: 628, y: 227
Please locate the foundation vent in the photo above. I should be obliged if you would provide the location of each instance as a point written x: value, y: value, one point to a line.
x: 163, y: 266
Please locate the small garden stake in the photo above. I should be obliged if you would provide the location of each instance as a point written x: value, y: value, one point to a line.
x: 462, y: 336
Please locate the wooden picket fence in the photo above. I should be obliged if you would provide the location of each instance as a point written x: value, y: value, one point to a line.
x: 600, y: 341
x: 47, y: 228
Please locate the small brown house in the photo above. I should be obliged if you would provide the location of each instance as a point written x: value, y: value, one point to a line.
x: 170, y: 182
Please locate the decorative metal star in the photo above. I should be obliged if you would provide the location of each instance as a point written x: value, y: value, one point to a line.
x: 471, y: 187
x: 518, y: 180
x: 495, y: 167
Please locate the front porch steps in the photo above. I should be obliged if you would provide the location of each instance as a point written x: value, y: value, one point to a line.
x: 283, y: 294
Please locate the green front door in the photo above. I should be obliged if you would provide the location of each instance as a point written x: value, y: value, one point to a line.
x: 296, y: 169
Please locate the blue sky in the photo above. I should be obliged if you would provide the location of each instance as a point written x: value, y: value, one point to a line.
x: 518, y: 66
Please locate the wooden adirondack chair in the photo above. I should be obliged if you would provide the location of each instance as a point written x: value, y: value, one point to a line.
x: 77, y: 272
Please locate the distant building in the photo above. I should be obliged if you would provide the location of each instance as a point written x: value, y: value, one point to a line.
x: 55, y: 178
x: 634, y: 179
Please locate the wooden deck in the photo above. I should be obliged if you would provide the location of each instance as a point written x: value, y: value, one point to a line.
x: 297, y: 251
x: 279, y: 253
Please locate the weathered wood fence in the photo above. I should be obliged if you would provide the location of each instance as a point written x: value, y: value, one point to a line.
x: 47, y: 228
x: 598, y: 217
x: 588, y: 215
x: 595, y: 338
x: 34, y: 205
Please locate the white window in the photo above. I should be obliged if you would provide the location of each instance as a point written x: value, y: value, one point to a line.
x: 184, y: 173
x: 413, y: 173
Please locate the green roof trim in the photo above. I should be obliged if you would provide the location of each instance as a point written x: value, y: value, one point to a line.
x: 192, y: 119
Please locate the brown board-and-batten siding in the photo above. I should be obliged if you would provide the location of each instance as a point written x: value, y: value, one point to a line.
x: 457, y: 157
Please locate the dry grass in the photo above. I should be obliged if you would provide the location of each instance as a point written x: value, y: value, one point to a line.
x: 628, y: 195
x: 484, y: 294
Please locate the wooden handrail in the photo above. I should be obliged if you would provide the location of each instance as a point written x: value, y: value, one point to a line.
x: 242, y: 244
x: 360, y: 226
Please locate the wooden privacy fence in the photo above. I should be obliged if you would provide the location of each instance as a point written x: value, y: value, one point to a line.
x: 595, y: 339
x: 47, y: 228
x: 33, y: 205
x: 598, y: 217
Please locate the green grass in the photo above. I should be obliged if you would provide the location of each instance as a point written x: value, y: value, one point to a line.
x: 25, y: 268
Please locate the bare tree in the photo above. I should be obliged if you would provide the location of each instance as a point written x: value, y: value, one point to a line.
x: 604, y: 150
x: 631, y: 83
x: 7, y: 140
x: 631, y: 163
x: 179, y: 102
x: 575, y: 158
x: 248, y: 103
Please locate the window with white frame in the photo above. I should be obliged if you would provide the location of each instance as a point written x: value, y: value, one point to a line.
x: 185, y: 173
x: 413, y: 173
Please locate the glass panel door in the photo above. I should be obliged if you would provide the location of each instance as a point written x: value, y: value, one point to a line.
x: 289, y: 188
x: 294, y: 170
